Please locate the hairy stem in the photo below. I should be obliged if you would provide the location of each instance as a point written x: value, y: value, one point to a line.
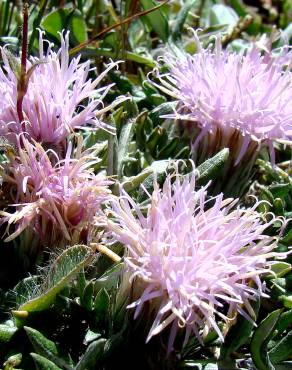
x: 21, y: 86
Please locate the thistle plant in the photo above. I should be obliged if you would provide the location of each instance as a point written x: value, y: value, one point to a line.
x: 53, y: 199
x: 88, y: 274
x: 192, y: 260
x: 59, y: 96
x: 226, y: 99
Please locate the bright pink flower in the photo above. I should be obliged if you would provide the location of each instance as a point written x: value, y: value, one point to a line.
x: 60, y: 97
x: 192, y: 259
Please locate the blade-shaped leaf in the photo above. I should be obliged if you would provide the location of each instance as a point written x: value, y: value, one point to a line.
x: 42, y: 363
x: 283, y: 350
x: 156, y: 19
x: 45, y: 347
x: 92, y: 356
x: 260, y: 340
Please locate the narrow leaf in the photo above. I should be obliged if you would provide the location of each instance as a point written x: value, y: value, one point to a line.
x: 101, y: 304
x: 260, y: 340
x: 92, y: 356
x: 42, y: 363
x: 283, y: 350
x: 181, y: 18
x: 239, y: 333
x: 156, y: 19
x: 6, y: 333
x: 211, y: 168
x: 45, y: 347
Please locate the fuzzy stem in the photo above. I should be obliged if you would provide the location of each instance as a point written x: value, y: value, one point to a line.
x: 21, y: 88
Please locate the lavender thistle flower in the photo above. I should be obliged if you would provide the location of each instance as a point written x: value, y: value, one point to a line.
x: 57, y: 88
x: 55, y: 201
x: 225, y: 99
x: 191, y: 259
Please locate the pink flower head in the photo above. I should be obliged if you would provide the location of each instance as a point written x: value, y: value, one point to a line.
x: 58, y: 202
x: 240, y: 101
x: 197, y: 259
x: 60, y: 97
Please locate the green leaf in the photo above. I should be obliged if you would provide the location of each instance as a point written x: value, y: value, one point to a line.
x: 77, y: 27
x: 109, y: 280
x: 37, y: 21
x: 101, y: 305
x: 287, y: 300
x: 125, y: 138
x: 125, y: 55
x: 12, y: 41
x: 112, y: 155
x: 239, y: 333
x: 14, y: 63
x: 162, y: 109
x: 81, y: 283
x: 62, y: 271
x: 274, y: 172
x: 287, y: 32
x: 200, y: 365
x: 92, y: 356
x: 239, y: 7
x: 40, y: 343
x: 280, y: 269
x: 90, y: 336
x: 27, y: 289
x: 260, y: 340
x: 156, y: 19
x: 159, y: 169
x: 140, y: 129
x: 284, y: 282
x: 168, y: 150
x: 45, y: 347
x: 211, y: 168
x: 13, y: 361
x: 222, y: 14
x: 284, y: 322
x: 283, y: 350
x: 66, y: 19
x: 87, y: 297
x: 279, y: 206
x: 55, y: 22
x: 156, y: 140
x: 124, y: 119
x: 181, y: 18
x: 280, y: 190
x: 287, y: 239
x: 42, y: 363
x: 134, y: 182
x: 6, y: 333
x: 9, y: 13
x: 135, y: 57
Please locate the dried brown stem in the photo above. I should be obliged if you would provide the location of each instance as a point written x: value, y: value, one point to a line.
x: 114, y: 26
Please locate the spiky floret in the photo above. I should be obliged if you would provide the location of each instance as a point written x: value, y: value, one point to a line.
x: 238, y: 100
x: 57, y: 199
x: 59, y: 98
x: 193, y: 259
